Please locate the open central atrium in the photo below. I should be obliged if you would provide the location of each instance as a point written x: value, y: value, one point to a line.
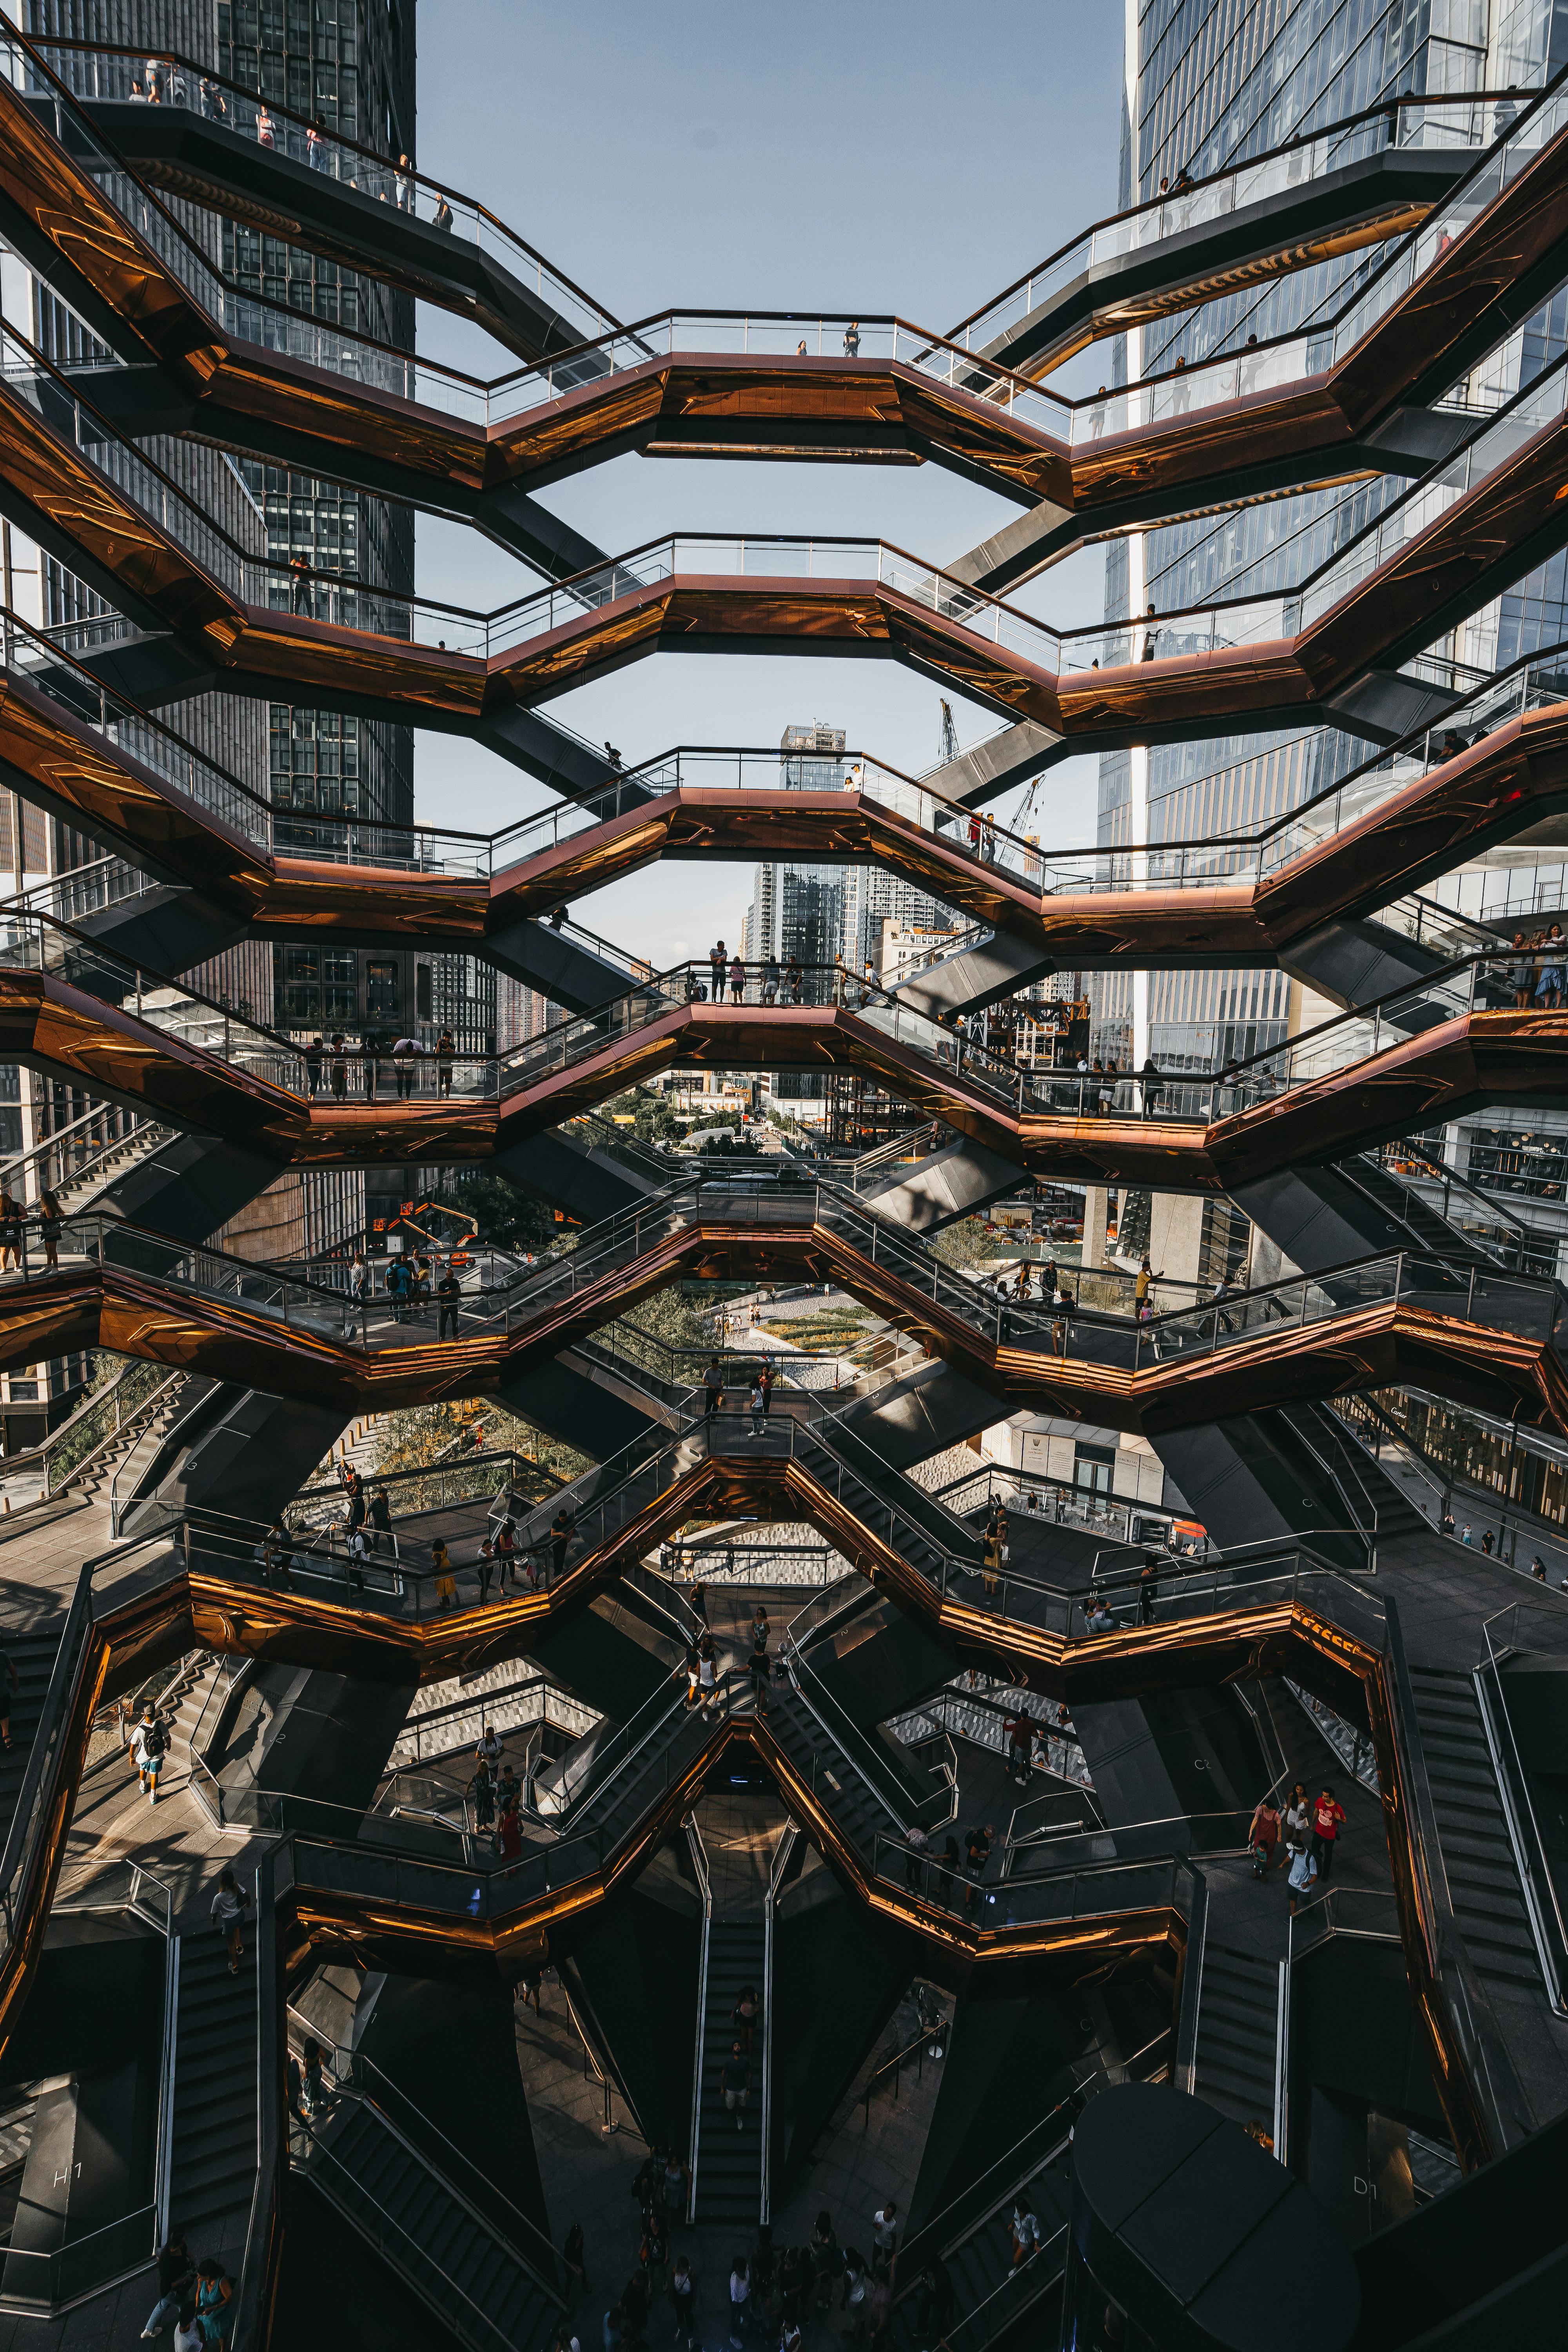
x: 784, y: 1497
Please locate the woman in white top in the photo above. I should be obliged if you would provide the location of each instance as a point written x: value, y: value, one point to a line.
x: 740, y: 2288
x: 1026, y: 2231
x: 1294, y: 1826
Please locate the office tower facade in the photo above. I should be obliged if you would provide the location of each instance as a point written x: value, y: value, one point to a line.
x: 1204, y: 88
x: 798, y: 909
x: 352, y: 66
x: 822, y: 913
x: 260, y: 512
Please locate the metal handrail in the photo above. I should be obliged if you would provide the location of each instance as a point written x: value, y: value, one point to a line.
x: 1365, y: 115
x: 705, y: 1891
x: 794, y: 1667
x: 770, y: 1902
x: 1320, y: 1919
x: 37, y: 42
x: 1524, y: 1857
x: 1495, y: 1206
x: 1046, y: 1835
x: 934, y: 2227
x: 92, y: 1403
x: 424, y: 2261
x: 355, y: 2062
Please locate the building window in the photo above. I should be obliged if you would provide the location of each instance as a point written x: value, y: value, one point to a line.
x: 380, y: 992
x: 1092, y: 1467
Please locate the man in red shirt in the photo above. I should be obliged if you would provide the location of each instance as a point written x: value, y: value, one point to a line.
x: 1327, y: 1815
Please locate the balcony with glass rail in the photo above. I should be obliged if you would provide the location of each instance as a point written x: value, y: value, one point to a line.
x: 1198, y: 632
x: 32, y: 942
x: 1292, y: 361
x: 88, y: 72
x: 1475, y: 985
x: 1256, y: 369
x: 605, y: 348
x: 1469, y: 122
x: 1535, y: 682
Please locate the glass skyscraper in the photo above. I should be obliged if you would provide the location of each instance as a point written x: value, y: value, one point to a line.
x: 1206, y: 84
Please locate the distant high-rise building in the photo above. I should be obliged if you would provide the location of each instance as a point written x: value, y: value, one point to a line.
x: 798, y: 909
x: 820, y: 913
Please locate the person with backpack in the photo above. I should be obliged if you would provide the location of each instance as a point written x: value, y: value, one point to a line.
x: 149, y: 1746
x: 655, y: 2253
x: 229, y: 1905
x: 1263, y: 1837
x: 482, y: 1797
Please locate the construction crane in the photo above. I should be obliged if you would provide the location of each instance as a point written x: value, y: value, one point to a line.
x: 949, y: 735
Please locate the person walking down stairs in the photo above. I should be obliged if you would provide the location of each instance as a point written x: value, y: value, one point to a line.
x: 149, y: 1746
x: 230, y: 1905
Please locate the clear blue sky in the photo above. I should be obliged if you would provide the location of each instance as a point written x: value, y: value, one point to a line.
x: 833, y: 155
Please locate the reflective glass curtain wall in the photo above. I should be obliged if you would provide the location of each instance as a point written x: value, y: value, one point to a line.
x: 1207, y: 83
x: 351, y: 62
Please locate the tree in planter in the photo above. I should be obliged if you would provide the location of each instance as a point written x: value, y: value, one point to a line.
x: 508, y: 1218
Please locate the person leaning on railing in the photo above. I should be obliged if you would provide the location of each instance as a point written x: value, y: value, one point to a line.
x: 51, y: 1219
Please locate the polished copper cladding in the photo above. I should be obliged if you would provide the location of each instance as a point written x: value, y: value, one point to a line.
x: 1483, y: 794
x: 1099, y: 1375
x: 718, y: 404
x: 188, y: 633
x: 1414, y: 1083
x: 122, y: 1645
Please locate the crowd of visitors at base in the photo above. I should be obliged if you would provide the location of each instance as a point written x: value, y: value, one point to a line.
x: 772, y: 2293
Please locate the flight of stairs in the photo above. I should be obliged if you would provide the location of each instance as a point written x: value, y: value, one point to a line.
x: 1238, y: 2014
x: 33, y: 1655
x: 77, y: 1193
x: 729, y: 2162
x: 149, y: 1422
x: 182, y: 1703
x: 458, y: 2265
x: 991, y: 2296
x: 1483, y: 1885
x: 214, y: 2171
x: 839, y: 1790
x: 1413, y: 1222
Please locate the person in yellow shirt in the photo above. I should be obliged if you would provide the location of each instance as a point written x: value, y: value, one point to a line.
x: 446, y: 1587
